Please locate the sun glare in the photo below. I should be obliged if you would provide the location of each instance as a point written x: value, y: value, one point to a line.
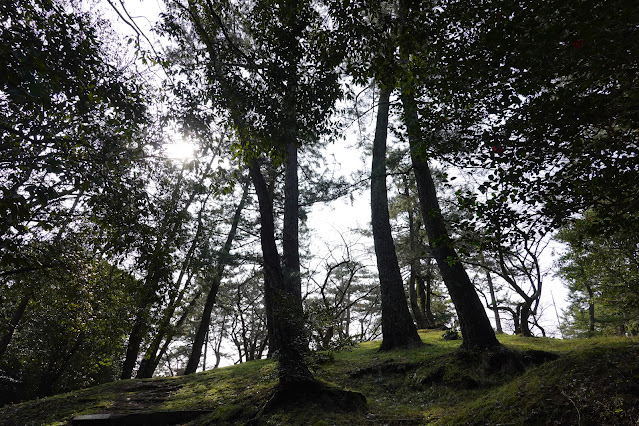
x: 180, y: 150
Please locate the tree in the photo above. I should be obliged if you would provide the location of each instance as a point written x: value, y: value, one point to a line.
x: 56, y: 82
x: 475, y: 326
x: 68, y: 125
x: 398, y: 327
x: 203, y: 328
x: 601, y: 273
x: 166, y: 230
x: 367, y: 37
x: 71, y: 335
x: 254, y: 56
x: 248, y: 326
x: 73, y: 128
x: 538, y: 94
x: 427, y: 300
x: 346, y: 293
x: 374, y: 33
x: 541, y: 94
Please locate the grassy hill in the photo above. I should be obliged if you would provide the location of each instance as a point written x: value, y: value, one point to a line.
x: 571, y: 382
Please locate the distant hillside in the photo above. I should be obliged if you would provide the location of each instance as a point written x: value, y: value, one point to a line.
x: 550, y: 381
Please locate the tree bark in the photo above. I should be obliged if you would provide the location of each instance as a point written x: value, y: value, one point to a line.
x: 493, y: 299
x: 15, y: 319
x: 523, y: 318
x: 205, y: 321
x: 475, y: 326
x: 517, y: 319
x: 418, y: 313
x: 289, y: 314
x: 398, y: 328
x: 290, y: 232
x: 286, y: 306
x: 270, y: 256
x: 133, y: 345
x: 591, y: 310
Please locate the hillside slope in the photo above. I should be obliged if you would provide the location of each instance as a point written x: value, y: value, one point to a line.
x: 549, y: 382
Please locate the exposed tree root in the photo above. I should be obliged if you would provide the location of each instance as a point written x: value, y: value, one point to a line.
x: 313, y: 393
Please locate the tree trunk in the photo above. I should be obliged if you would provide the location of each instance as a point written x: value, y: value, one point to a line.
x: 205, y: 321
x: 290, y: 232
x: 289, y: 314
x: 524, y: 314
x: 474, y: 323
x: 271, y: 259
x: 133, y: 345
x: 422, y: 300
x: 418, y: 313
x: 140, y: 324
x: 287, y: 318
x: 15, y: 319
x: 398, y: 328
x: 150, y: 360
x: 178, y: 325
x: 517, y: 319
x: 167, y: 233
x: 493, y: 301
x: 591, y: 310
x: 427, y: 287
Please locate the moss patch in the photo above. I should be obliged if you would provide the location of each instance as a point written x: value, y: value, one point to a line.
x: 533, y: 381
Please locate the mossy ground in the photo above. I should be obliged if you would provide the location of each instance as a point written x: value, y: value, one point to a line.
x: 590, y: 382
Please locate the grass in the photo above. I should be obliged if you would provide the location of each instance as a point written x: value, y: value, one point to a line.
x: 593, y: 381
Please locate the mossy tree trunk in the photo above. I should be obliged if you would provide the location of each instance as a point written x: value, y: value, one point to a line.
x: 281, y: 293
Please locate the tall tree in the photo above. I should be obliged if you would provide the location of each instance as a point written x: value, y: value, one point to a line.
x: 398, y: 328
x: 203, y: 327
x: 367, y: 36
x: 271, y: 42
x: 475, y: 326
x: 374, y: 33
x: 72, y: 136
x: 285, y: 308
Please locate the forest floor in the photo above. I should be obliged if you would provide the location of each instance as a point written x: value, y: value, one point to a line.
x: 551, y: 381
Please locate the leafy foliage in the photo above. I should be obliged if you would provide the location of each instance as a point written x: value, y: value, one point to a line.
x: 68, y: 116
x: 72, y: 332
x: 543, y: 95
x: 601, y: 273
